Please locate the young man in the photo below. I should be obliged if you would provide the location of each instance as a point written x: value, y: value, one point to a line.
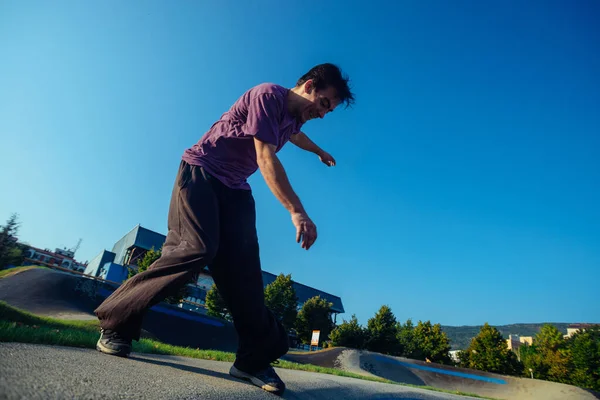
x: 212, y: 220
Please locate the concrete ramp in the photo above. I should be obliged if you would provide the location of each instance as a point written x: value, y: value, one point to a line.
x: 420, y: 373
x: 64, y: 295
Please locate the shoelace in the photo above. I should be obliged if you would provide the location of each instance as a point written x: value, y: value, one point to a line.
x: 114, y: 336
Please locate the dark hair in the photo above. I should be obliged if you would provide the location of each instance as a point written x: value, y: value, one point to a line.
x: 324, y: 75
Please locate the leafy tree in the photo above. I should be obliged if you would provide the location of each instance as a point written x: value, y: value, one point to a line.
x: 533, y: 362
x: 281, y: 299
x: 149, y: 258
x: 549, y: 338
x: 431, y: 343
x: 146, y: 261
x: 489, y: 352
x: 405, y: 334
x: 382, y: 330
x: 314, y: 315
x: 11, y: 251
x: 349, y: 334
x: 585, y: 358
x: 216, y: 305
x: 554, y: 355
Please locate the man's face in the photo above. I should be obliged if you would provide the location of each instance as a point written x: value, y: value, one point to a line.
x: 317, y: 102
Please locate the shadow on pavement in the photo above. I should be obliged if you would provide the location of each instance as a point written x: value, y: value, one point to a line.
x: 188, y: 368
x: 593, y: 393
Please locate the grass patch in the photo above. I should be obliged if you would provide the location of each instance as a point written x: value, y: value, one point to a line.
x: 13, y: 271
x: 20, y: 326
x: 24, y: 318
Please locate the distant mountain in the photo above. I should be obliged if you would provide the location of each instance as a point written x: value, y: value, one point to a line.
x: 460, y: 336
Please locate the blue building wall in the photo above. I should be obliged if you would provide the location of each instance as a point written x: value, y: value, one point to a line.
x: 94, y: 267
x: 114, y: 272
x: 138, y: 237
x: 120, y: 248
x: 147, y: 239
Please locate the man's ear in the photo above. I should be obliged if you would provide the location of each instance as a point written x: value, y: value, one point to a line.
x: 308, y: 86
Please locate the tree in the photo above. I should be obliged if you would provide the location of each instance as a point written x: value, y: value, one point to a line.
x: 533, y: 363
x: 382, y: 332
x: 215, y: 304
x: 11, y: 251
x: 549, y: 338
x: 431, y: 343
x: 314, y: 315
x: 280, y: 298
x: 405, y: 334
x: 584, y: 347
x: 349, y: 334
x: 146, y: 261
x: 555, y: 356
x: 489, y: 352
x: 149, y: 258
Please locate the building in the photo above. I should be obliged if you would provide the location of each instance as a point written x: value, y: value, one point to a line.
x: 516, y: 341
x: 64, y: 258
x: 574, y: 328
x: 115, y: 265
x: 454, y: 355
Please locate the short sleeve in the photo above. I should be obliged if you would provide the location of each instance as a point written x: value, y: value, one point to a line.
x: 263, y: 118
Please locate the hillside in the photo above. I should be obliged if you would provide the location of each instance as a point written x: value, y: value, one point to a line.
x: 460, y: 336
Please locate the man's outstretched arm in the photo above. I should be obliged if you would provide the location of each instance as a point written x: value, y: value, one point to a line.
x: 277, y: 180
x: 301, y: 140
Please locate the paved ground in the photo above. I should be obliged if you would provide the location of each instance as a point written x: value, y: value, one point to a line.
x: 50, y: 372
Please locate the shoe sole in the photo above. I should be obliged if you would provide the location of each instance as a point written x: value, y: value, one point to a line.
x: 106, y: 350
x: 254, y: 380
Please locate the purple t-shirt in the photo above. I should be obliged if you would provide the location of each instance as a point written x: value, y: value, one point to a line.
x: 227, y: 150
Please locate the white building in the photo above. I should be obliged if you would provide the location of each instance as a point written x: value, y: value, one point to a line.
x: 63, y: 258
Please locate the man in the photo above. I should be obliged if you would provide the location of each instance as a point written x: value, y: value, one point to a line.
x: 212, y: 220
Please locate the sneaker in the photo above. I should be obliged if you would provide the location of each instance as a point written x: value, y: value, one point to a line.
x: 112, y: 343
x: 266, y: 379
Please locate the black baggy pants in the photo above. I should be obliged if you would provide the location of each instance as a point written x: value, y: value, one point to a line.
x: 210, y: 225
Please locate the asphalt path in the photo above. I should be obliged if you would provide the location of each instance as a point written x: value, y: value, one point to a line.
x: 51, y: 372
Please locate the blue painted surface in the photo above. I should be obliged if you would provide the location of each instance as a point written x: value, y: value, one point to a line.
x: 198, y: 318
x: 114, y: 272
x: 442, y: 371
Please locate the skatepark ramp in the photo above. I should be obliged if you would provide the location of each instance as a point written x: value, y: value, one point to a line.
x: 60, y: 294
x: 439, y: 376
x: 64, y: 295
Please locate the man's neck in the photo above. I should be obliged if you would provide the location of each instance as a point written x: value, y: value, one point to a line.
x: 294, y: 101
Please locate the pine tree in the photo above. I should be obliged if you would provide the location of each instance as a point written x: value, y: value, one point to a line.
x: 405, y: 334
x: 554, y: 354
x: 489, y: 352
x: 314, y: 315
x: 11, y: 252
x: 382, y: 332
x: 431, y: 343
x: 349, y: 334
x: 584, y: 347
x: 215, y: 304
x: 280, y: 298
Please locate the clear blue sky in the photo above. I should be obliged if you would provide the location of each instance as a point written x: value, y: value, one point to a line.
x: 468, y: 180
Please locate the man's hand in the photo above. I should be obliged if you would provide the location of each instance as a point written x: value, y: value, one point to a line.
x: 277, y: 180
x: 305, y: 229
x: 301, y: 140
x: 326, y: 158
